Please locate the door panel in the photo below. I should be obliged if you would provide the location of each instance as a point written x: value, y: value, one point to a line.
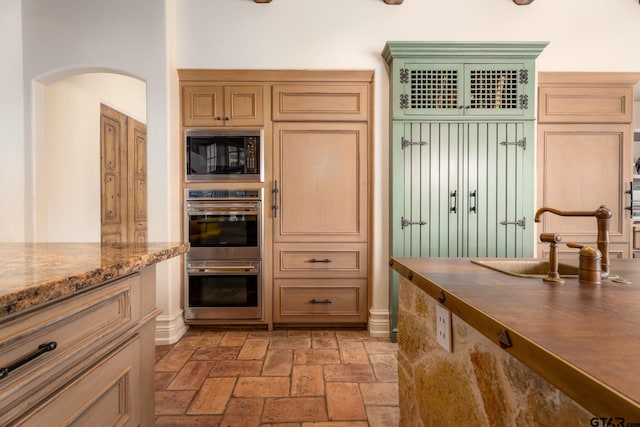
x: 113, y: 211
x: 123, y: 170
x: 461, y: 180
x: 573, y: 181
x: 322, y: 172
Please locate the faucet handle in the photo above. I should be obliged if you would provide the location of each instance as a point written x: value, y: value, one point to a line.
x: 550, y: 237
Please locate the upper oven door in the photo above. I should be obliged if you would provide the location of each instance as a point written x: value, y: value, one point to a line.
x: 223, y: 230
x: 223, y: 155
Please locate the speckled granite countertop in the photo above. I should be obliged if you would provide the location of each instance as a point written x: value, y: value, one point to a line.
x: 35, y: 273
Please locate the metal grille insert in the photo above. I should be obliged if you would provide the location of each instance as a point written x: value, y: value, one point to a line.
x: 491, y: 89
x: 432, y: 89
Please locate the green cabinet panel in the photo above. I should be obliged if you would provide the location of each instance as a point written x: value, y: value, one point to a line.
x: 450, y: 80
x: 461, y: 150
x: 463, y: 189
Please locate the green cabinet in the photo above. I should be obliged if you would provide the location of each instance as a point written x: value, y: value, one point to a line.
x: 461, y: 150
x: 462, y: 189
x: 462, y: 90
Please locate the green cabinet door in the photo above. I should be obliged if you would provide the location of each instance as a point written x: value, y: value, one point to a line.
x: 465, y: 189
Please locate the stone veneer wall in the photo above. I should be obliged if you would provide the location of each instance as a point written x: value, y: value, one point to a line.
x: 478, y: 384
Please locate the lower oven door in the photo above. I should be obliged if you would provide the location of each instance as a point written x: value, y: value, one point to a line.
x: 218, y: 290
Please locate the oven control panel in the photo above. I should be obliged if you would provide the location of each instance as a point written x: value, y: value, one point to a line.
x: 224, y: 194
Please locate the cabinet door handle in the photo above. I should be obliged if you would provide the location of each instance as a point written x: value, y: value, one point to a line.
x: 42, y: 349
x: 474, y: 201
x: 315, y: 301
x: 454, y: 201
x: 326, y: 260
x: 275, y: 192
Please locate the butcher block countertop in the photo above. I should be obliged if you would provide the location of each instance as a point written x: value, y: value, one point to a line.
x: 584, y: 339
x: 32, y: 274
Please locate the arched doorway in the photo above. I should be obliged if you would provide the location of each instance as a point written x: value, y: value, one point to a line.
x: 67, y: 151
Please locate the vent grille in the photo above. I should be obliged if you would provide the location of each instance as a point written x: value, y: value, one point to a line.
x: 431, y: 89
x: 491, y: 89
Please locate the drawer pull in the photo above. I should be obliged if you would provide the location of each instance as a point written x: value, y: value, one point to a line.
x: 42, y: 349
x: 315, y: 301
x: 326, y: 260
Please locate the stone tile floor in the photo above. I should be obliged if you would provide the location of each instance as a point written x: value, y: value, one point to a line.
x: 284, y: 378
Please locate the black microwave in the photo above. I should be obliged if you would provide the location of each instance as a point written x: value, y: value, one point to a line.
x: 224, y: 155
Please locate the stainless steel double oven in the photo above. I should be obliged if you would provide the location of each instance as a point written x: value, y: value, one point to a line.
x: 223, y: 269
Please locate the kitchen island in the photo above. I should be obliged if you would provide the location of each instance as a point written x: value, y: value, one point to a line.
x: 524, y: 351
x: 77, y: 332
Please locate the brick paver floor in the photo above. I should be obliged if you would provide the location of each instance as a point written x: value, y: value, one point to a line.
x: 292, y: 378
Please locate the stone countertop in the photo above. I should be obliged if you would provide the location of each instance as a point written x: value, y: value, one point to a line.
x: 36, y: 273
x: 584, y: 339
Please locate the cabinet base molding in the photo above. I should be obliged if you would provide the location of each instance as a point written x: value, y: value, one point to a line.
x: 378, y: 323
x: 169, y: 329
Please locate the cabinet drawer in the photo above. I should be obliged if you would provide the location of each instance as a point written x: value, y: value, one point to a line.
x: 320, y: 301
x: 81, y: 326
x: 320, y: 260
x: 106, y: 395
x: 320, y: 102
x: 636, y: 238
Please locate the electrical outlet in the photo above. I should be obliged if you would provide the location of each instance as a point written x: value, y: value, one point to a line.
x: 443, y: 327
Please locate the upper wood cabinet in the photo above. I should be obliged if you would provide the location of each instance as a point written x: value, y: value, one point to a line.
x: 304, y: 102
x: 222, y: 105
x: 586, y: 97
x: 475, y: 80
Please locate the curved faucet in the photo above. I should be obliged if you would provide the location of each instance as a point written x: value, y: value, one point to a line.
x: 603, y: 216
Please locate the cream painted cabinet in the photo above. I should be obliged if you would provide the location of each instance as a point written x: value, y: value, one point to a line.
x: 321, y: 203
x: 585, y: 155
x: 99, y: 367
x: 222, y: 105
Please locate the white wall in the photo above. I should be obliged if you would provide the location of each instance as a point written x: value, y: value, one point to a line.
x: 584, y: 35
x: 68, y: 197
x: 12, y: 172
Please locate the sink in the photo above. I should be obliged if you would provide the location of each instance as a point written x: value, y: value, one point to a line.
x: 523, y: 267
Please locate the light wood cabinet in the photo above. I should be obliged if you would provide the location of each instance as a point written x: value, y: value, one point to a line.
x: 321, y: 203
x: 311, y: 102
x: 585, y: 155
x: 98, y: 371
x: 317, y: 126
x: 321, y: 174
x: 222, y: 105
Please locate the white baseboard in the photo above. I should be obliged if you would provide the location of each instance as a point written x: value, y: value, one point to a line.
x: 169, y: 329
x: 379, y: 323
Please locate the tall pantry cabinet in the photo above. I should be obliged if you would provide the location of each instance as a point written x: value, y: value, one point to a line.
x: 461, y: 150
x: 321, y: 199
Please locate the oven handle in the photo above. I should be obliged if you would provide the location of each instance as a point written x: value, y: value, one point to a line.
x: 223, y: 269
x: 217, y: 211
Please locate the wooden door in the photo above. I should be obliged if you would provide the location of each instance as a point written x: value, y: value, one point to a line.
x: 137, y: 181
x: 123, y: 177
x: 321, y: 171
